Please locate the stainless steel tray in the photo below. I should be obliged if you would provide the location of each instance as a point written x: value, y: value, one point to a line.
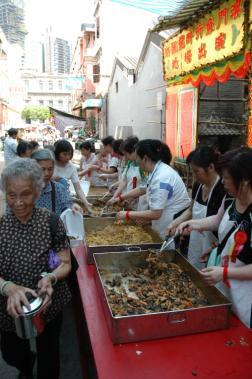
x: 133, y: 328
x: 99, y: 223
x: 106, y: 213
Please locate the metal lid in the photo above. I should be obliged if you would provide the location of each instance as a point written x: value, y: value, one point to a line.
x: 35, y: 303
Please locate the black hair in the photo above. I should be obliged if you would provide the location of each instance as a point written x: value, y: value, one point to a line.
x: 129, y: 144
x: 34, y: 144
x: 108, y: 140
x: 203, y: 156
x: 155, y: 150
x: 117, y: 144
x: 238, y: 163
x: 12, y: 132
x: 22, y: 148
x: 87, y: 146
x: 62, y: 146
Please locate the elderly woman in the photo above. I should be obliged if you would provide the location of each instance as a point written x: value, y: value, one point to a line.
x: 26, y: 239
x: 54, y: 196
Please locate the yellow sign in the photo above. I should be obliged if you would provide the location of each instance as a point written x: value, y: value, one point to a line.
x: 216, y: 36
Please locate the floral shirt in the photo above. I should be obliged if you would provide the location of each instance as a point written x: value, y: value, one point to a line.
x: 24, y: 252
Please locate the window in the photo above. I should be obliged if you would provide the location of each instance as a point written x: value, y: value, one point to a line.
x: 26, y: 84
x: 87, y: 40
x: 41, y: 102
x: 50, y: 85
x: 97, y: 27
x: 116, y: 87
x: 60, y: 85
x: 60, y: 104
x: 96, y: 73
x: 50, y: 103
x: 41, y: 85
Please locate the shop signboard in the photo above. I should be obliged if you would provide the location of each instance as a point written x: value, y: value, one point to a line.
x: 216, y: 36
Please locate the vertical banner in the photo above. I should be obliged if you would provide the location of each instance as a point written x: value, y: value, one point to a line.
x: 171, y: 122
x: 187, y: 122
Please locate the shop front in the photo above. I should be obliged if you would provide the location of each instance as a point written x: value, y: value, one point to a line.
x: 206, y: 67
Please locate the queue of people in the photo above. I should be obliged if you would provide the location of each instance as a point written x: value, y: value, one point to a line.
x: 217, y: 216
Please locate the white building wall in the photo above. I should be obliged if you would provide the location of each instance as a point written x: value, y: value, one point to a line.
x: 122, y: 32
x: 135, y: 105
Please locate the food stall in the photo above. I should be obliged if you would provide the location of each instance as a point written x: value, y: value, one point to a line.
x: 206, y: 66
x: 217, y: 354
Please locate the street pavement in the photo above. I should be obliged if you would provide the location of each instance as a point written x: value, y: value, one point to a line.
x: 70, y: 360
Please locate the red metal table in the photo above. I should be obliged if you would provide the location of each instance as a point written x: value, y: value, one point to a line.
x: 216, y: 355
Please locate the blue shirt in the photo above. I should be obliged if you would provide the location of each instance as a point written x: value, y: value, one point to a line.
x: 62, y: 198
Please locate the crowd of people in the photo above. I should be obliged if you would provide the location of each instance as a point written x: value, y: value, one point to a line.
x: 217, y: 215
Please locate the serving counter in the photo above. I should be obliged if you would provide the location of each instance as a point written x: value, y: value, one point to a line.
x: 219, y: 354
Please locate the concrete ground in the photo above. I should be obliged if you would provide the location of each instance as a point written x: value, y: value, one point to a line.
x: 70, y: 359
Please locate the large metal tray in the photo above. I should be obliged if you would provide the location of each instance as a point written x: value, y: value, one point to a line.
x: 106, y: 213
x: 133, y: 328
x: 99, y: 223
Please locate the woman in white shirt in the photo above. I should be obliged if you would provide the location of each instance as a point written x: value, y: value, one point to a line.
x: 132, y: 176
x: 88, y: 164
x: 65, y: 169
x: 166, y: 193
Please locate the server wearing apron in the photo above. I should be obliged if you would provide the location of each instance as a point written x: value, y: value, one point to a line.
x: 207, y: 195
x: 165, y: 190
x: 132, y: 176
x: 232, y: 269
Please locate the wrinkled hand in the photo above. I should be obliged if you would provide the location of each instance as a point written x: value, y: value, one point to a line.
x: 212, y: 275
x: 45, y: 291
x: 77, y: 208
x: 16, y: 299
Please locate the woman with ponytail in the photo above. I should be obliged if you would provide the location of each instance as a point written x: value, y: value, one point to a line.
x: 165, y: 191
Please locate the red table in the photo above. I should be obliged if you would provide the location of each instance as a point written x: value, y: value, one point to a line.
x: 216, y: 355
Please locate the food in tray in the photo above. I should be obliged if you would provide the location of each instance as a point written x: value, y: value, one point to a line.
x: 120, y: 234
x: 99, y: 208
x: 156, y: 286
x: 73, y: 237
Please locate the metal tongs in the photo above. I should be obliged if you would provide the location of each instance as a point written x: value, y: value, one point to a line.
x: 168, y: 241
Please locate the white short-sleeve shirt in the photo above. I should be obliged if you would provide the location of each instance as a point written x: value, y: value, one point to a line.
x: 166, y: 191
x: 68, y: 172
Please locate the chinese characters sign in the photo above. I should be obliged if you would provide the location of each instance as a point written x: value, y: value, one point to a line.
x: 216, y: 36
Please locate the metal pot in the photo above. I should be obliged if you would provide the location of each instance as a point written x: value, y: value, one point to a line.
x: 31, y: 323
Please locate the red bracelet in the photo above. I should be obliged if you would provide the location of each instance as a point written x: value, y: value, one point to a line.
x: 225, y: 273
x: 120, y: 197
x: 225, y: 276
x: 127, y: 216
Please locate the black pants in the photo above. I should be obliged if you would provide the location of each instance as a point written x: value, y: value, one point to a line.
x: 16, y: 351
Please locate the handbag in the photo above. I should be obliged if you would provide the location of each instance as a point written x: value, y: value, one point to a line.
x: 53, y: 257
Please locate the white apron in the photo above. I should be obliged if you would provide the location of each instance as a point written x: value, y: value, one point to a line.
x: 200, y: 242
x: 240, y: 291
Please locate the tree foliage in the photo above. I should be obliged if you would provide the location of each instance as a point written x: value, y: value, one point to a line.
x: 35, y: 112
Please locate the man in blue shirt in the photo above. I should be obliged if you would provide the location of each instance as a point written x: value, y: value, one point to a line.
x: 10, y: 146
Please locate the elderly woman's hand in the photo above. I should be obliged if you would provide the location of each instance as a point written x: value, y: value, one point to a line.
x: 45, y: 290
x: 77, y: 208
x: 16, y: 299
